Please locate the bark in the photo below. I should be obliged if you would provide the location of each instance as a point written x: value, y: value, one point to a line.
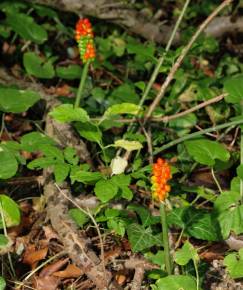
x: 136, y: 21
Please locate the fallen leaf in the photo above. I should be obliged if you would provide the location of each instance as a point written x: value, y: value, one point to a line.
x: 46, y: 283
x: 49, y: 233
x: 71, y: 271
x: 32, y: 256
x: 52, y: 268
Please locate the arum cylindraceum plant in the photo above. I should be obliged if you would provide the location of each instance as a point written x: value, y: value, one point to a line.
x: 85, y: 39
x: 160, y: 189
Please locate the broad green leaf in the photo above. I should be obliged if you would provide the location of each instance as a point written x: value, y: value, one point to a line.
x: 124, y: 108
x: 11, y: 211
x: 2, y: 283
x: 121, y: 180
x: 226, y: 200
x: 125, y: 93
x: 89, y: 132
x: 4, y: 31
x: 185, y: 254
x: 144, y: 214
x: 206, y: 151
x: 61, y: 171
x: 51, y: 151
x: 9, y: 164
x: 117, y: 225
x: 41, y: 163
x: 70, y: 72
x: 3, y: 241
x: 17, y: 101
x: 234, y: 87
x: 128, y: 145
x: 78, y: 216
x: 67, y: 113
x: 25, y: 26
x: 142, y: 238
x: 37, y: 66
x: 234, y: 264
x: 105, y: 190
x: 240, y: 171
x: 176, y: 282
x: 31, y: 142
x: 70, y: 155
x: 84, y: 176
x: 196, y: 223
x: 158, y: 258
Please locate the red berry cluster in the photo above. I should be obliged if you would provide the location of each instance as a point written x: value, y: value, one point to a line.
x: 159, y: 179
x: 85, y: 39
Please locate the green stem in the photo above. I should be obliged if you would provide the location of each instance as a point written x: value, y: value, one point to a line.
x: 81, y: 84
x: 197, y: 134
x: 165, y: 238
x: 197, y: 274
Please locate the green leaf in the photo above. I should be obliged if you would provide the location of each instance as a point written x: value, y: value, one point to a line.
x: 239, y: 171
x: 25, y: 26
x: 78, y: 216
x: 67, y: 113
x: 37, y: 66
x: 185, y: 254
x: 128, y: 145
x: 61, y: 171
x: 84, y: 176
x: 234, y: 264
x: 2, y: 283
x: 176, y: 282
x: 89, y: 132
x: 17, y: 101
x: 125, y: 93
x: 9, y: 163
x: 3, y: 241
x: 40, y: 163
x: 32, y: 141
x: 70, y: 72
x: 141, y: 238
x: 158, y: 258
x: 124, y: 108
x: 11, y: 211
x: 51, y: 151
x: 70, y: 155
x: 105, y: 190
x: 206, y: 151
x: 144, y: 214
x: 234, y: 87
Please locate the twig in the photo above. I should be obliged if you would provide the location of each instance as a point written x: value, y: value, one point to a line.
x: 180, y: 59
x: 138, y: 278
x: 197, y: 134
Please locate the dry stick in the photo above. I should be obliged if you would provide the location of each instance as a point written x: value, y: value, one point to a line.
x: 180, y: 59
x: 87, y: 212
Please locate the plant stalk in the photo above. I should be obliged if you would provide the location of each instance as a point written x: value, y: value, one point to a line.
x: 81, y: 84
x: 165, y: 235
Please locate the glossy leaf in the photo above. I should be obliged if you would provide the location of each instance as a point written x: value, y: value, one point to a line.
x: 67, y: 113
x: 11, y: 211
x: 9, y: 164
x: 70, y: 72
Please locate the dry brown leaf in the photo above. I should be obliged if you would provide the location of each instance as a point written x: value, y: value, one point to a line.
x: 32, y: 256
x: 71, y: 271
x: 49, y: 233
x: 63, y: 91
x: 52, y: 268
x: 46, y: 283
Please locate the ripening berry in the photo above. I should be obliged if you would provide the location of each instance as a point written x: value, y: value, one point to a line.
x: 85, y: 39
x: 159, y: 179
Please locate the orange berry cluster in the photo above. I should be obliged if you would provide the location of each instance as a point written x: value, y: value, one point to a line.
x: 85, y: 39
x: 159, y: 179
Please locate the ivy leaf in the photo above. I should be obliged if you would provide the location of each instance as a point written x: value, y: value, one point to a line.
x: 17, y: 101
x: 38, y: 67
x: 234, y: 264
x: 128, y: 145
x: 67, y: 113
x: 206, y: 151
x: 176, y: 282
x: 11, y: 211
x: 142, y: 238
x: 105, y: 190
x: 185, y: 254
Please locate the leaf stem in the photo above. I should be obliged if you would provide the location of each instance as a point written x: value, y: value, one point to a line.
x: 165, y: 238
x: 216, y: 180
x: 81, y: 84
x: 197, y: 134
x: 197, y: 274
